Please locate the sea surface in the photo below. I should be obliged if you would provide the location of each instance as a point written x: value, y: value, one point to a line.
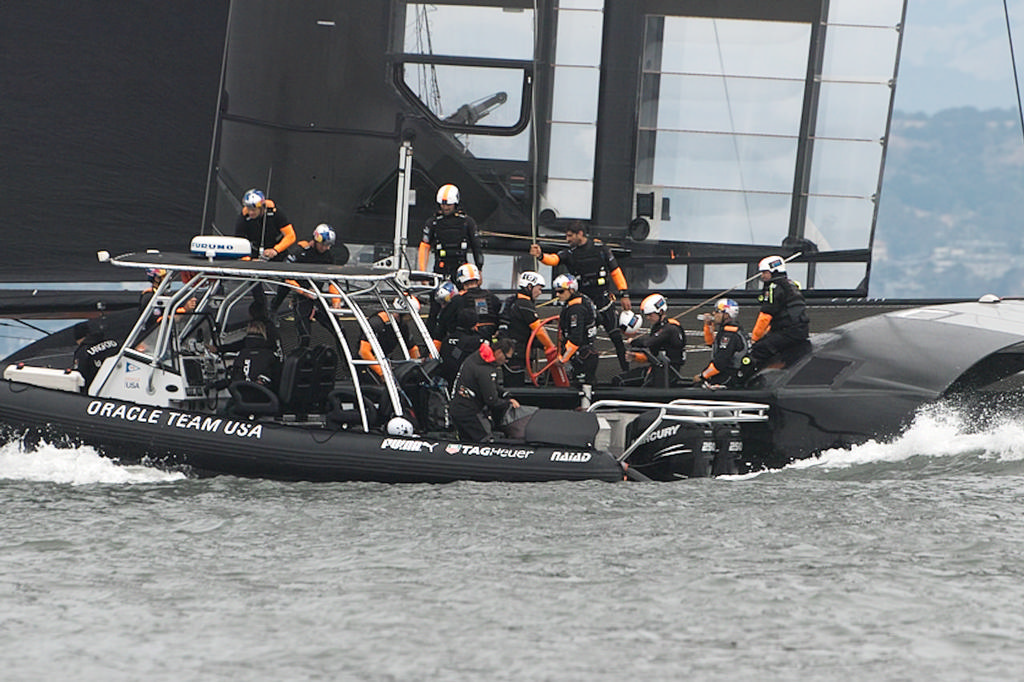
x: 890, y: 561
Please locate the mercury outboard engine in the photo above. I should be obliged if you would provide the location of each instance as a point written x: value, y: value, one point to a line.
x: 673, y: 450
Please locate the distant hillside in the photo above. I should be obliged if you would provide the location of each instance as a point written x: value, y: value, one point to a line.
x: 952, y: 203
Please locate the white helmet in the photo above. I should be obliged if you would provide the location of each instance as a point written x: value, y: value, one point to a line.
x: 254, y: 198
x: 566, y: 283
x: 467, y: 272
x: 448, y: 194
x: 414, y: 303
x: 400, y: 426
x: 630, y: 322
x: 655, y: 303
x: 772, y: 264
x: 324, y: 233
x: 531, y: 279
x: 446, y: 292
x: 727, y: 306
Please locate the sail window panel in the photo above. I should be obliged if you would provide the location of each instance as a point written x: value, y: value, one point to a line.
x: 575, y: 94
x: 468, y: 31
x: 731, y: 105
x: 721, y: 276
x: 721, y: 161
x: 579, y: 38
x: 846, y: 167
x: 839, y: 223
x: 865, y: 12
x: 839, y: 275
x: 853, y: 110
x: 468, y: 94
x: 581, y: 4
x: 506, y: 148
x: 724, y: 217
x: 572, y: 151
x: 860, y: 54
x: 569, y: 198
x: 734, y: 47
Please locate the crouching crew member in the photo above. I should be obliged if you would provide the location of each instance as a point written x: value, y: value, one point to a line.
x: 468, y: 320
x: 268, y: 230
x: 782, y: 328
x: 666, y: 336
x: 577, y: 325
x: 479, y: 396
x: 319, y: 251
x: 595, y: 268
x: 384, y: 330
x: 728, y: 341
x: 517, y: 320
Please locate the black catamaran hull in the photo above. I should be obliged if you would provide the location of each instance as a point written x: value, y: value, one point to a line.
x: 214, y: 444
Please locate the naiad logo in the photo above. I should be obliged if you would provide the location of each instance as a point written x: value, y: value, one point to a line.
x: 407, y: 445
x: 564, y: 456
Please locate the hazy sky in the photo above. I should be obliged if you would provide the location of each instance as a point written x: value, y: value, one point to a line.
x: 956, y: 53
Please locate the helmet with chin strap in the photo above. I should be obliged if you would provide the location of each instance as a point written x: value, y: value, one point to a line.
x: 531, y: 279
x: 324, y: 234
x: 772, y: 264
x: 253, y: 198
x: 728, y: 307
x: 566, y: 282
x: 448, y: 194
x: 655, y: 303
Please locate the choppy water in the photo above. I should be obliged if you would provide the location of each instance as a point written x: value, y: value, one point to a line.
x: 898, y: 561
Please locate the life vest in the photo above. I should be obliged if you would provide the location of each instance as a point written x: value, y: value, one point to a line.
x: 478, y: 312
x: 449, y: 240
x: 590, y: 266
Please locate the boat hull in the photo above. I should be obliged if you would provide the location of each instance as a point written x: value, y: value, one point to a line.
x: 223, y: 445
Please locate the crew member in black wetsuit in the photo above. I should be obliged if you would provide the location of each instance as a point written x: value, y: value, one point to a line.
x: 384, y: 331
x: 94, y: 346
x: 577, y: 326
x: 595, y: 268
x: 782, y: 328
x: 467, y: 321
x: 258, y: 360
x: 728, y: 341
x: 478, y: 396
x: 451, y: 234
x: 517, y: 320
x: 261, y: 222
x: 666, y: 336
x: 318, y: 250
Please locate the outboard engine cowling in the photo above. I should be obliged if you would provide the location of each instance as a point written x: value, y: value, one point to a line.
x: 673, y: 450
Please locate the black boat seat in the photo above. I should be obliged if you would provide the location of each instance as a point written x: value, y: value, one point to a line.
x: 249, y: 399
x: 343, y: 410
x: 307, y: 377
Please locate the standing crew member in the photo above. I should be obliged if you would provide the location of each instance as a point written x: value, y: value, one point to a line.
x: 782, y: 328
x: 268, y: 230
x: 666, y: 336
x: 517, y: 320
x: 478, y: 394
x: 578, y: 328
x: 452, y: 234
x: 595, y: 268
x: 728, y: 341
x: 467, y: 321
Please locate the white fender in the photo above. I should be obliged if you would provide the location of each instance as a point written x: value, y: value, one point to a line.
x: 215, y: 246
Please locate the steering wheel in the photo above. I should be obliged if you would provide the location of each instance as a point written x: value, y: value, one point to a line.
x: 548, y: 367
